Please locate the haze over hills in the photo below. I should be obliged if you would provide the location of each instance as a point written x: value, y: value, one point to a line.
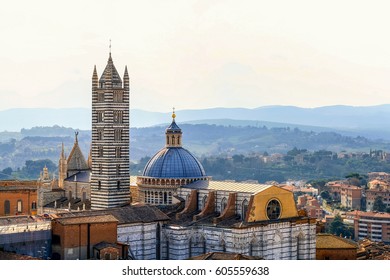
x: 369, y: 121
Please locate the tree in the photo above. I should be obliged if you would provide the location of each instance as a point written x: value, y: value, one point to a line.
x: 337, y: 227
x: 325, y: 195
x: 379, y: 205
x: 6, y: 173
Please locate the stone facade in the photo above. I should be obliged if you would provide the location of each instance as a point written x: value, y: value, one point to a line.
x: 280, y: 241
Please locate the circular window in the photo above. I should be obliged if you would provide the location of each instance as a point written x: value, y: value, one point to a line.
x: 273, y: 209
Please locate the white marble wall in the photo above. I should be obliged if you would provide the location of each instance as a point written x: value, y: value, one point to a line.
x: 282, y: 241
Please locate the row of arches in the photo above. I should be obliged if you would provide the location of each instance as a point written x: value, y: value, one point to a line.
x: 168, y: 182
x: 171, y: 140
x: 155, y: 197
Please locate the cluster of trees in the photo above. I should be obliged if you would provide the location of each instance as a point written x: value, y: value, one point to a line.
x: 339, y: 228
x: 379, y: 205
x: 30, y: 171
x: 322, y: 166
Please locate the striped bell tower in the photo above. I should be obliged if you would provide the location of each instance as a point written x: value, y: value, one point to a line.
x: 110, y: 179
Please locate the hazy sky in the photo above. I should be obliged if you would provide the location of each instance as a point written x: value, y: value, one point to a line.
x: 197, y: 54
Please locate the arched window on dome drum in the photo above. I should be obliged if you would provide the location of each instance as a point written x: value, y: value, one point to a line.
x: 169, y: 198
x: 178, y: 140
x: 244, y: 208
x: 223, y: 204
x: 160, y: 195
x: 167, y: 140
x: 165, y: 198
x: 173, y: 140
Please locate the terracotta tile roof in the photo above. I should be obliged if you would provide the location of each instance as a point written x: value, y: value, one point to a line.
x: 86, y: 220
x: 125, y: 215
x: 328, y: 241
x: 370, y: 250
x: 362, y: 214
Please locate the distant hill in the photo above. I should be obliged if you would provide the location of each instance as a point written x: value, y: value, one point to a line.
x: 201, y: 139
x: 372, y: 122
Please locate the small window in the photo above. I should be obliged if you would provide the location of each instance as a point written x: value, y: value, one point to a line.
x: 118, y: 135
x: 101, y: 97
x: 118, y: 169
x: 118, y: 152
x: 7, y: 207
x: 100, y: 116
x: 100, y: 134
x: 223, y: 204
x: 118, y: 96
x: 118, y: 116
x: 118, y: 184
x: 204, y: 201
x: 33, y: 205
x: 99, y: 185
x: 273, y: 209
x: 100, y: 151
x: 20, y: 206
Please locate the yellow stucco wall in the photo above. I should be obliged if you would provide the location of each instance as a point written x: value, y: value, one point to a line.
x: 259, y: 201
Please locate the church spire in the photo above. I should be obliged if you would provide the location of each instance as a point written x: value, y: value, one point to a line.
x: 126, y: 81
x: 62, y: 151
x: 95, y: 79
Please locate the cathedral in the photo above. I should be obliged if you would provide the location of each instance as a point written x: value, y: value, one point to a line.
x: 174, y: 210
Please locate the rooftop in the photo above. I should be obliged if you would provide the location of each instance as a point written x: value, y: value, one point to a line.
x: 124, y: 215
x: 95, y: 219
x: 329, y: 241
x: 228, y: 186
x: 357, y: 213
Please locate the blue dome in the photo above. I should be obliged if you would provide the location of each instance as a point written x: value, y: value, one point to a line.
x: 174, y: 162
